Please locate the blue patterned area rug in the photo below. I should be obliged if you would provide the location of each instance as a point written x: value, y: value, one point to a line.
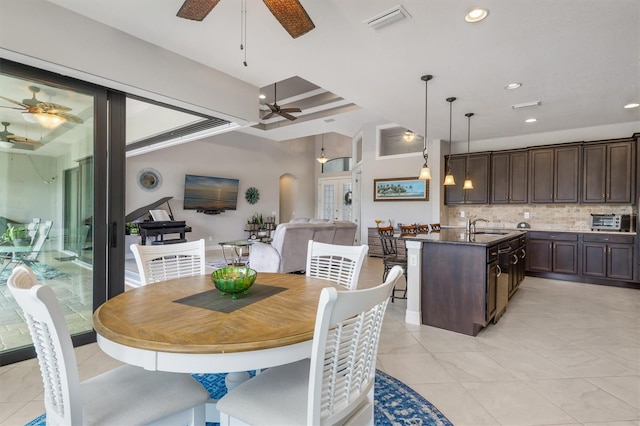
x: 42, y: 271
x: 395, y: 402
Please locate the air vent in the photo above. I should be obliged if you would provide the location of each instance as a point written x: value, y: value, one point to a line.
x: 387, y: 18
x: 526, y: 105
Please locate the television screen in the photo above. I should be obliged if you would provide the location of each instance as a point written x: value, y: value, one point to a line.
x: 210, y: 194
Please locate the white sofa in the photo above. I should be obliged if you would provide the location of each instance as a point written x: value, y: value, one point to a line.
x: 288, y: 250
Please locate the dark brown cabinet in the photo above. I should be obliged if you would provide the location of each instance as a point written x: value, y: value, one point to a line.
x: 607, y: 172
x: 477, y: 168
x: 509, y: 177
x: 608, y: 256
x: 552, y: 252
x: 554, y: 174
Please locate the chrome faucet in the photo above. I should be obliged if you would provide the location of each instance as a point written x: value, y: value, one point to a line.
x: 472, y: 224
x: 468, y: 225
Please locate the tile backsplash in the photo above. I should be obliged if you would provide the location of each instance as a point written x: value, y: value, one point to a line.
x: 570, y: 217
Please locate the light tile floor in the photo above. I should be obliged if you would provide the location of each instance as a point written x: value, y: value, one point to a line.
x: 563, y: 354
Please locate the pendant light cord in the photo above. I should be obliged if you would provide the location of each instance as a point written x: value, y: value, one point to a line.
x: 243, y: 29
x: 425, y: 149
x: 450, y: 100
x: 468, y: 115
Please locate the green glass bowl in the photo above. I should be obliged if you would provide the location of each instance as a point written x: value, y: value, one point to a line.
x: 234, y: 280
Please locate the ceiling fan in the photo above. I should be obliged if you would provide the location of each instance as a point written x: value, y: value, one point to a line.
x: 276, y: 110
x: 47, y: 114
x: 8, y: 139
x: 289, y: 13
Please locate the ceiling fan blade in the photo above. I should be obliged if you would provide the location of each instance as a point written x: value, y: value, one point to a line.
x: 268, y: 116
x: 50, y: 107
x: 290, y: 110
x: 14, y: 102
x: 69, y: 117
x: 291, y: 16
x: 287, y: 116
x: 22, y: 139
x: 196, y: 10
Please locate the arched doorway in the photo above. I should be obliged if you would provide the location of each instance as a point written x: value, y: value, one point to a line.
x: 288, y: 197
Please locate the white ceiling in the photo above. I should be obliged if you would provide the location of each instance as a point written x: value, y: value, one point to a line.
x: 580, y: 58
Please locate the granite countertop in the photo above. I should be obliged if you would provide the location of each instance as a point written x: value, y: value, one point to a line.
x: 482, y: 237
x: 544, y: 229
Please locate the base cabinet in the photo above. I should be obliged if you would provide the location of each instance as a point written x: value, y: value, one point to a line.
x: 608, y: 257
x: 552, y: 252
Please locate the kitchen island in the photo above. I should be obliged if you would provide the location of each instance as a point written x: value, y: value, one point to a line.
x: 461, y: 281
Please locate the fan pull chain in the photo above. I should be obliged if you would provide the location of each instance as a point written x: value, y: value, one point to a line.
x: 243, y: 29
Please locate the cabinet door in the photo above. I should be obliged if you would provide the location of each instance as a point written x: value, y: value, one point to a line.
x: 455, y: 194
x: 492, y: 289
x: 539, y: 255
x: 566, y: 171
x: 594, y: 259
x: 594, y: 174
x: 518, y: 177
x: 541, y: 175
x: 619, y: 184
x: 565, y: 257
x: 620, y: 261
x: 478, y: 171
x: 500, y: 170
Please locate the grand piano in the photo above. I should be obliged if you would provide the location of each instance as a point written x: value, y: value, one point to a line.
x: 158, y: 229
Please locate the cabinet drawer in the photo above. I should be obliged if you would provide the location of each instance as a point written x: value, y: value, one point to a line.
x: 492, y: 254
x: 558, y: 236
x: 608, y: 238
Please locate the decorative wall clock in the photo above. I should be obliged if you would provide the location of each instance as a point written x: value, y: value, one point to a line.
x: 252, y: 195
x: 149, y: 179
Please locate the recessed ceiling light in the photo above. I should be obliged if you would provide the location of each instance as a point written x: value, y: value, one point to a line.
x: 476, y: 15
x: 512, y: 86
x: 262, y: 96
x: 632, y: 105
x: 530, y: 120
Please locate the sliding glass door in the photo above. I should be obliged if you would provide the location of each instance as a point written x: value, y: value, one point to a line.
x: 48, y: 218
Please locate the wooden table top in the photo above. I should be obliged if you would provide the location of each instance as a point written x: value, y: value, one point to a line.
x: 149, y: 318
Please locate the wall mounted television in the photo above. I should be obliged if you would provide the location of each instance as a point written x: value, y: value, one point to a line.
x: 210, y: 195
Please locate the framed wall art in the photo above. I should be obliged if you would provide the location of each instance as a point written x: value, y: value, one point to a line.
x: 400, y: 189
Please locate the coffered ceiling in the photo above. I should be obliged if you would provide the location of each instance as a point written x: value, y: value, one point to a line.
x: 580, y: 59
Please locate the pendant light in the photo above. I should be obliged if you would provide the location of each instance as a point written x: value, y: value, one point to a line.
x: 467, y: 180
x: 425, y: 173
x: 448, y: 178
x: 322, y: 159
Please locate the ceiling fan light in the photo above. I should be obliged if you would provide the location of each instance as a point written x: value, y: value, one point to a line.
x: 425, y: 173
x: 408, y: 136
x: 449, y: 180
x: 6, y: 144
x: 322, y: 159
x: 467, y: 184
x: 49, y: 121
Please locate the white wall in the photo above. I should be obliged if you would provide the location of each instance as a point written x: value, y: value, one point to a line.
x: 254, y: 161
x: 23, y: 191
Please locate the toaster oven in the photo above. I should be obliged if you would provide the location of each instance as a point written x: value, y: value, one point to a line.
x: 610, y: 222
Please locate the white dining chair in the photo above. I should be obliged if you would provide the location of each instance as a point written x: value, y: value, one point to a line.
x: 165, y: 262
x: 340, y: 264
x: 336, y: 385
x: 127, y: 395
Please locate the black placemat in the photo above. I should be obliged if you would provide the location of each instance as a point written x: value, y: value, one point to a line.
x: 214, y: 301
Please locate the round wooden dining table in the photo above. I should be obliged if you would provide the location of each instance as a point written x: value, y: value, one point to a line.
x: 185, y: 325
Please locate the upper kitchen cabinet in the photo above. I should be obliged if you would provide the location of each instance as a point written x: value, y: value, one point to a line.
x: 608, y: 172
x: 477, y: 167
x: 554, y: 174
x: 509, y: 177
